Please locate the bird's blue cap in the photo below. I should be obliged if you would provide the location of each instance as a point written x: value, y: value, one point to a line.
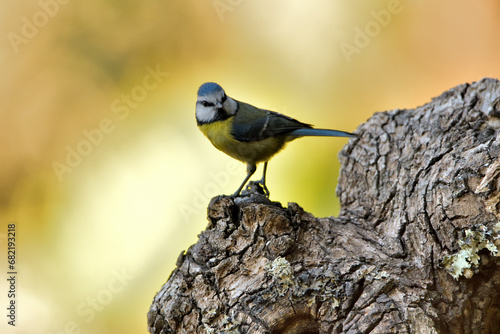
x: 208, y: 88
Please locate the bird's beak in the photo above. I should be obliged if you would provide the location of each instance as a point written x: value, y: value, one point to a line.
x: 218, y: 105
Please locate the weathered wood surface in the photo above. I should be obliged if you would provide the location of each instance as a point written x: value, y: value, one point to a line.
x: 414, y: 249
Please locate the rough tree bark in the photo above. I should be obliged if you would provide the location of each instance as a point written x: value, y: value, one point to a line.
x: 414, y: 249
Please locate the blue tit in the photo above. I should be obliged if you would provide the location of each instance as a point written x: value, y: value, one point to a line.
x: 248, y: 133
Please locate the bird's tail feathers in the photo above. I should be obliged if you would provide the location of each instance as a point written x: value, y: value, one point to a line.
x: 320, y: 132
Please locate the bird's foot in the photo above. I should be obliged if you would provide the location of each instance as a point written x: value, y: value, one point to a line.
x: 256, y: 187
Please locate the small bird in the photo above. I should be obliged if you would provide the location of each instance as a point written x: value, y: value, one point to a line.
x: 247, y: 133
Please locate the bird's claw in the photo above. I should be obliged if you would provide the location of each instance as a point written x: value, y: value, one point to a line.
x: 256, y: 187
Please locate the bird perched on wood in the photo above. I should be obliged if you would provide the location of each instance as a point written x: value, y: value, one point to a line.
x: 248, y: 133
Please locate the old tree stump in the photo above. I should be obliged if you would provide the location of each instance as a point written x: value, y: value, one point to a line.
x: 414, y: 249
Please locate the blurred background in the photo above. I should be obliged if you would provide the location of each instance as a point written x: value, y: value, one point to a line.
x: 102, y: 167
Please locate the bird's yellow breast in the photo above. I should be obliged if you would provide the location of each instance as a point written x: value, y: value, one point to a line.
x: 219, y: 133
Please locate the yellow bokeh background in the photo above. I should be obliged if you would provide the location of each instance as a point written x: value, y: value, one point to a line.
x: 98, y: 231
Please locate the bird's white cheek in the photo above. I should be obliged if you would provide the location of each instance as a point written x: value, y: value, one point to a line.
x: 205, y: 114
x: 231, y: 106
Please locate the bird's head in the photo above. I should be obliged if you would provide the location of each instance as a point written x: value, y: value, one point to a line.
x: 213, y: 104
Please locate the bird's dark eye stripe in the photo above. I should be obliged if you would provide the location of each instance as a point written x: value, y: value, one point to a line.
x: 224, y: 98
x: 206, y: 104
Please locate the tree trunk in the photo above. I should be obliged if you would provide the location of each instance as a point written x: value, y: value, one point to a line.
x: 414, y: 249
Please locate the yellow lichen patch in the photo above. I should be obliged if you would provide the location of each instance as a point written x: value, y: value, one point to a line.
x: 466, y: 260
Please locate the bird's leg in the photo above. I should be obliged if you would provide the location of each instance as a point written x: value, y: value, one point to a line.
x: 262, y: 181
x: 250, y: 170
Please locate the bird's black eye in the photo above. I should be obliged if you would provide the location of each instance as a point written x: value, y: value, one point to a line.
x: 207, y: 104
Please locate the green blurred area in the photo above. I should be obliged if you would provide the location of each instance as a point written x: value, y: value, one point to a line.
x: 102, y: 167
